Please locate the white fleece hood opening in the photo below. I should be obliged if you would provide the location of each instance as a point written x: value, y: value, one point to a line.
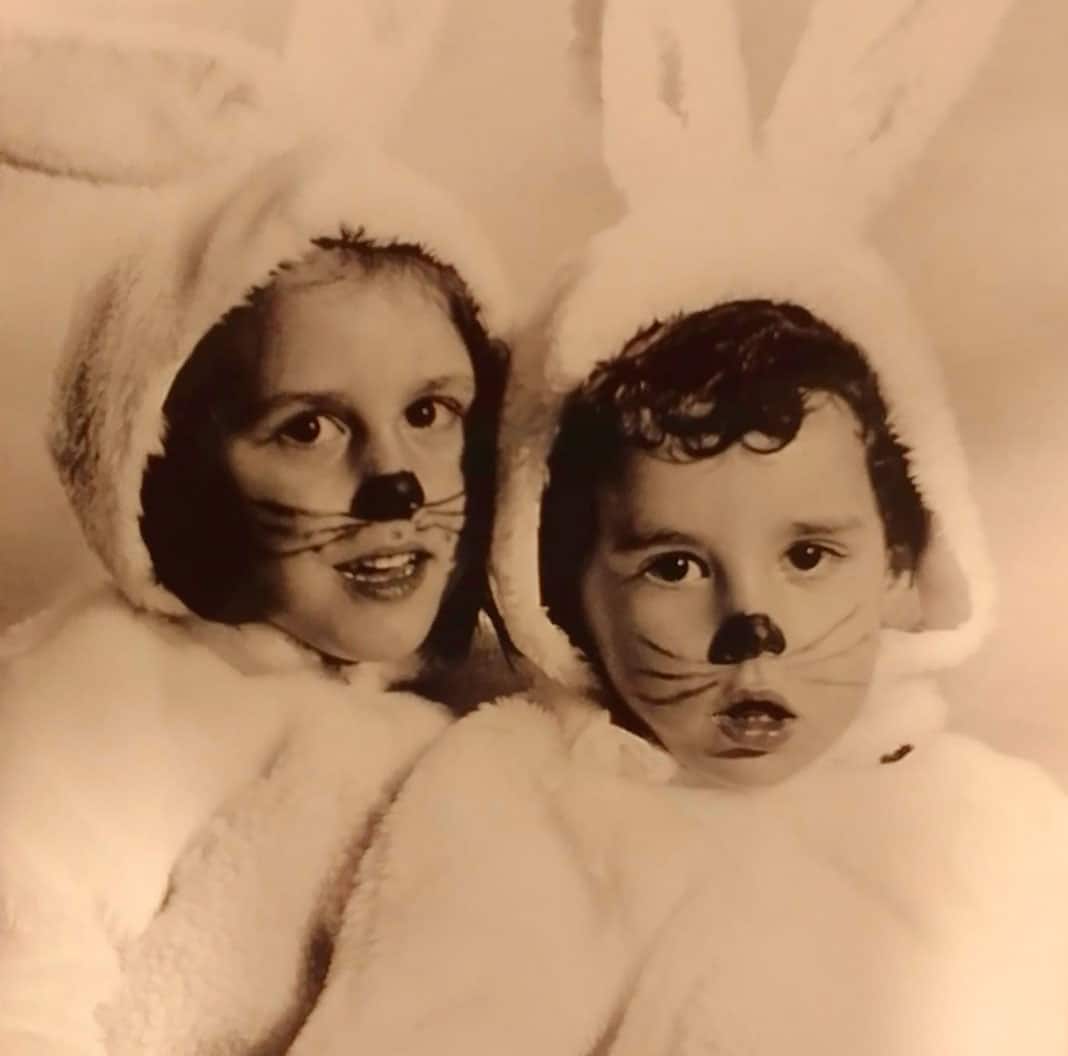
x: 714, y: 218
x: 209, y: 247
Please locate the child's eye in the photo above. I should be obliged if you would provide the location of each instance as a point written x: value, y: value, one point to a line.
x: 807, y: 557
x: 675, y: 568
x: 309, y: 429
x: 432, y: 412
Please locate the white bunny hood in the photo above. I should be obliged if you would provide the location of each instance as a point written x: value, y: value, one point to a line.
x: 213, y: 240
x: 714, y: 218
x: 146, y: 315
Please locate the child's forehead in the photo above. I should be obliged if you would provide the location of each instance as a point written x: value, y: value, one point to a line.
x: 340, y: 269
x: 819, y: 473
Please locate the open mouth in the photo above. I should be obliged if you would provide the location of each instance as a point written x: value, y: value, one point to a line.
x: 755, y: 724
x: 386, y: 575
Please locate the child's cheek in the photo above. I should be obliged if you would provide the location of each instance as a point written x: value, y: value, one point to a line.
x: 440, y: 471
x: 305, y: 479
x: 680, y: 620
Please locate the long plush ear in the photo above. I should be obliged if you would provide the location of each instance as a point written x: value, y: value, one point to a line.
x: 357, y: 62
x: 139, y: 105
x: 870, y: 84
x: 676, y: 100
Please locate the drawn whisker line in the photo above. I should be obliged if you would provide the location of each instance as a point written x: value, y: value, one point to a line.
x: 448, y: 498
x: 444, y: 529
x: 650, y: 644
x: 316, y: 543
x: 445, y: 513
x: 835, y: 681
x: 281, y: 509
x: 294, y: 551
x: 669, y: 676
x: 306, y: 533
x: 837, y: 653
x: 678, y: 698
x: 820, y: 638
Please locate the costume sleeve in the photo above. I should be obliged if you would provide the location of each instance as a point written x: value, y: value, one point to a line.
x: 476, y: 926
x: 104, y: 773
x: 1015, y: 868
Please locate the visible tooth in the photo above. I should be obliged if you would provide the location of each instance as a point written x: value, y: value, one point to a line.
x: 390, y: 561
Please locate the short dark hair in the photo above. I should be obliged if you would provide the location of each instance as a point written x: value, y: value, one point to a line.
x: 690, y: 389
x: 194, y: 524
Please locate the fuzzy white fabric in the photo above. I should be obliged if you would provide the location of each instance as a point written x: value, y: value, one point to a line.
x: 174, y: 797
x: 182, y: 803
x: 720, y: 211
x: 212, y: 244
x: 127, y: 104
x: 540, y: 885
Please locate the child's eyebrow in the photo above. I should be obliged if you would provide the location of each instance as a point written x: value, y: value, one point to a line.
x: 448, y: 381
x: 628, y: 541
x: 828, y: 526
x: 331, y: 402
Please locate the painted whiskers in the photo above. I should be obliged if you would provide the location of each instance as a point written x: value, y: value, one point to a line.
x: 673, y: 679
x: 285, y: 531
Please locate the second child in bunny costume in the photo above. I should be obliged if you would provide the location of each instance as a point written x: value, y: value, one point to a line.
x: 742, y: 828
x: 275, y: 419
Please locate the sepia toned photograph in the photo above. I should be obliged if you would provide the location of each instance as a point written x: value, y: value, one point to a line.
x: 533, y: 528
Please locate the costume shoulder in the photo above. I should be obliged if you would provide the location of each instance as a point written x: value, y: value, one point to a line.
x: 115, y: 747
x: 1008, y: 797
x: 510, y: 735
x: 473, y: 927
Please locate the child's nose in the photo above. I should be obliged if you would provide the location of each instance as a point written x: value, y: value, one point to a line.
x: 745, y: 636
x: 388, y: 497
x: 381, y: 453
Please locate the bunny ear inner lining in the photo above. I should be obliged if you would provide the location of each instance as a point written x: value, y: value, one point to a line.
x: 140, y: 111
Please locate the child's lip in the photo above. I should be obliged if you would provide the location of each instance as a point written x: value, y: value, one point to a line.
x: 739, y: 753
x: 385, y: 574
x: 756, y: 699
x: 755, y: 721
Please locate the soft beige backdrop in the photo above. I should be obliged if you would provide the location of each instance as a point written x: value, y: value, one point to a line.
x: 507, y: 117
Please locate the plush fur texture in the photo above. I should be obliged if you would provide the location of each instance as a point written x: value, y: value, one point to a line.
x: 183, y: 803
x: 541, y: 885
x: 720, y: 213
x: 217, y: 241
x: 127, y: 104
x: 180, y: 803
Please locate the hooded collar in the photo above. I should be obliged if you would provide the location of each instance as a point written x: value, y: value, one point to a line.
x: 212, y: 243
x: 717, y: 213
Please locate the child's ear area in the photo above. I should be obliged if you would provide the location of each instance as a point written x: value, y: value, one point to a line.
x: 902, y: 605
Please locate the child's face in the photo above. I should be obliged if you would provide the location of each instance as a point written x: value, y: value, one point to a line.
x: 736, y: 601
x: 351, y: 466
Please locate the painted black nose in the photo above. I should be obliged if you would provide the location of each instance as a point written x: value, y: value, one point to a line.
x: 392, y: 497
x: 745, y: 636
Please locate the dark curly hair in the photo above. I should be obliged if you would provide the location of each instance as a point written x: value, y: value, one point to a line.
x: 194, y: 523
x: 692, y: 388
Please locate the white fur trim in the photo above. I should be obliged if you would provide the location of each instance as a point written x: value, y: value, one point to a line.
x: 681, y: 255
x: 131, y: 104
x: 225, y: 236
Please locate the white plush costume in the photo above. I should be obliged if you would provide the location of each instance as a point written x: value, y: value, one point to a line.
x: 181, y: 801
x: 541, y: 886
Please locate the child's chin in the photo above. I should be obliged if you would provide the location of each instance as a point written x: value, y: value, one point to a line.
x: 375, y: 637
x: 757, y: 770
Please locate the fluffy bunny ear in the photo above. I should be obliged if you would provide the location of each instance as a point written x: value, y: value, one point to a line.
x: 676, y: 100
x: 136, y: 106
x: 869, y: 86
x: 357, y: 62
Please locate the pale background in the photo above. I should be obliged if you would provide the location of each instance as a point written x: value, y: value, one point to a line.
x: 506, y: 117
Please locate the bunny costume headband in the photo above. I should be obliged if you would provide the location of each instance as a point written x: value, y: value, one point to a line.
x: 259, y: 158
x: 718, y: 212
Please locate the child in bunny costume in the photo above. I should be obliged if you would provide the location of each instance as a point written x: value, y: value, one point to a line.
x: 736, y: 823
x: 275, y: 419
